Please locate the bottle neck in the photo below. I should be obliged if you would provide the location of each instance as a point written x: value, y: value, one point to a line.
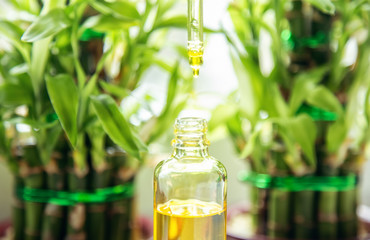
x: 193, y: 144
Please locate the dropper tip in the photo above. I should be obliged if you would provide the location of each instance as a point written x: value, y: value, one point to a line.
x: 195, y: 72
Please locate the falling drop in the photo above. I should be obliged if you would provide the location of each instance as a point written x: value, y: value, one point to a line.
x: 195, y: 72
x: 195, y: 60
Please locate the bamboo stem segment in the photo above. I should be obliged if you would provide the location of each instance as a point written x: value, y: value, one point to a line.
x: 121, y: 212
x: 327, y: 215
x: 54, y: 215
x: 304, y: 215
x: 259, y: 210
x: 347, y: 225
x: 33, y: 175
x: 76, y: 229
x: 18, y: 214
x: 279, y: 214
x: 97, y: 213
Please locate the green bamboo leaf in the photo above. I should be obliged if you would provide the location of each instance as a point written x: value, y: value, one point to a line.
x: 337, y: 132
x: 183, y: 51
x: 47, y: 25
x: 15, y: 95
x: 31, y: 6
x: 167, y: 119
x: 64, y: 97
x: 239, y: 24
x: 222, y: 114
x: 250, y: 86
x: 48, y: 144
x: 116, y: 126
x: 40, y: 56
x: 325, y: 6
x: 258, y: 144
x: 279, y: 108
x: 251, y: 145
x: 10, y: 31
x: 114, y: 89
x: 303, y: 85
x: 165, y: 6
x: 123, y: 9
x: 235, y: 129
x: 106, y: 23
x: 323, y: 98
x: 32, y: 123
x: 12, y: 34
x: 303, y: 130
x: 172, y: 87
x: 163, y: 64
x: 175, y: 21
x: 4, y: 148
x: 291, y: 154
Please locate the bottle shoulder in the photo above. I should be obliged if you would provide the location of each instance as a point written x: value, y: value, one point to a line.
x: 189, y: 164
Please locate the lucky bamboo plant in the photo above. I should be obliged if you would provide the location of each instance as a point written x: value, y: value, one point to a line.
x: 65, y: 70
x: 302, y: 109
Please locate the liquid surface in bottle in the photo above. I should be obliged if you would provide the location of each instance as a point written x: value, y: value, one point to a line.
x: 189, y: 220
x: 195, y: 60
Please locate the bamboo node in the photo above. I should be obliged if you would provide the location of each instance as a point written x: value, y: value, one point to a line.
x: 97, y: 208
x: 119, y: 209
x: 76, y: 236
x: 126, y: 173
x: 77, y: 216
x: 31, y: 233
x: 54, y: 210
x: 52, y: 167
x: 25, y: 170
x: 103, y: 166
x: 80, y: 173
x: 277, y: 227
x: 330, y: 218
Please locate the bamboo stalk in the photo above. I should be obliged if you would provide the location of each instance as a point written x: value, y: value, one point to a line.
x: 280, y: 202
x: 18, y: 214
x: 121, y: 212
x: 259, y: 210
x: 306, y: 22
x: 55, y: 215
x: 97, y: 213
x: 122, y: 215
x: 347, y: 202
x: 279, y: 214
x: 327, y: 215
x: 304, y: 215
x: 76, y: 228
x: 33, y: 175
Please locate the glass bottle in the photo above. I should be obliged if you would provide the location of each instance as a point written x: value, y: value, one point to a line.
x: 190, y: 188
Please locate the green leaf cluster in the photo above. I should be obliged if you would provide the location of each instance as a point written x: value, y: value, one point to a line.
x: 265, y: 116
x: 49, y: 71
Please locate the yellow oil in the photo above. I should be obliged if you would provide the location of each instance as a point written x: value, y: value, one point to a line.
x: 189, y: 220
x: 195, y: 60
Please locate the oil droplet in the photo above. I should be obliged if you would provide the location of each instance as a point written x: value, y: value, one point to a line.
x: 195, y: 72
x: 195, y: 60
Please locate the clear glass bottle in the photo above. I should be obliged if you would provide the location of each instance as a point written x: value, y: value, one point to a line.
x: 190, y: 188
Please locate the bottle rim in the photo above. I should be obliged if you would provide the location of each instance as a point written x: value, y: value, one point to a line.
x: 190, y: 124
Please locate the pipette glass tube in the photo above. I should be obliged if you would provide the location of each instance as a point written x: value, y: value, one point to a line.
x: 195, y: 35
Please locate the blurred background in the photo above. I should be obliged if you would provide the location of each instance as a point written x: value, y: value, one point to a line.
x: 292, y: 74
